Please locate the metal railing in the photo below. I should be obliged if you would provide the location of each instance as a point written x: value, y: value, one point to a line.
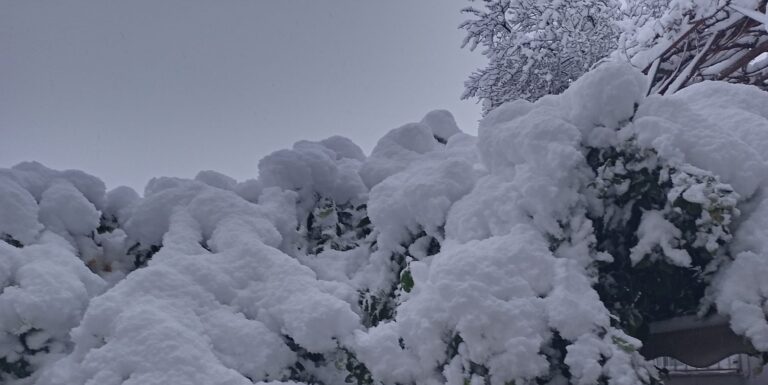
x: 735, y: 364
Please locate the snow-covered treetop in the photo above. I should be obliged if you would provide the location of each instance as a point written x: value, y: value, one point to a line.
x: 535, y: 47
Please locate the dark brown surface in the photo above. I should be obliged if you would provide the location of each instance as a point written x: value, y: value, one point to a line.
x: 698, y: 347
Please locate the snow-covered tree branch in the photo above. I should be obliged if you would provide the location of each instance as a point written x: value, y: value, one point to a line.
x: 535, y: 47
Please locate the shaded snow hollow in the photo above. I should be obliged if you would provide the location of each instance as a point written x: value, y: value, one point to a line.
x: 234, y: 297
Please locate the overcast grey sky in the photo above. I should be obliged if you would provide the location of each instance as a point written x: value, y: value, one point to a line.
x: 130, y: 89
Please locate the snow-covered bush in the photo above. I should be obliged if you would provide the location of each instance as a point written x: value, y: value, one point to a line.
x: 596, y: 213
x: 537, y: 252
x: 408, y: 207
x: 677, y: 217
x: 48, y: 223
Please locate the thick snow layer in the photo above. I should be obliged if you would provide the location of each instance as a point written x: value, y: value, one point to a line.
x: 249, y: 189
x: 418, y: 198
x: 209, y: 206
x: 344, y: 148
x: 720, y: 144
x: 396, y: 150
x: 741, y: 291
x: 36, y: 178
x: 199, y: 316
x: 742, y: 294
x: 67, y: 202
x: 65, y: 210
x: 604, y: 98
x: 503, y: 296
x: 442, y: 124
x: 120, y: 203
x: 404, y: 145
x: 216, y: 179
x: 489, y: 210
x: 149, y: 220
x: 18, y: 212
x: 496, y: 287
x: 217, y: 292
x: 538, y: 152
x: 50, y: 286
x: 44, y: 290
x: 315, y: 167
x: 35, y: 201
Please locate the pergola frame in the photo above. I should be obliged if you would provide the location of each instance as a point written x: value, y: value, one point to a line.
x: 721, y: 46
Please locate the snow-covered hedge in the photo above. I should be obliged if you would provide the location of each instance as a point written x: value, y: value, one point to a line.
x: 522, y: 255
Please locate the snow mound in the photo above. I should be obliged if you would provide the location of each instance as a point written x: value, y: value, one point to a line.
x: 210, y: 206
x: 418, y: 199
x: 45, y: 291
x: 665, y: 124
x: 19, y: 212
x: 315, y: 167
x: 406, y: 144
x: 120, y: 203
x: 344, y: 148
x: 64, y: 209
x: 216, y: 179
x: 33, y: 196
x: 36, y: 178
x: 605, y: 98
x: 194, y: 315
x: 442, y: 124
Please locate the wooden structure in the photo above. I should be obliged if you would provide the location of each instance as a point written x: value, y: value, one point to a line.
x: 696, y: 342
x: 694, y: 352
x: 729, y: 45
